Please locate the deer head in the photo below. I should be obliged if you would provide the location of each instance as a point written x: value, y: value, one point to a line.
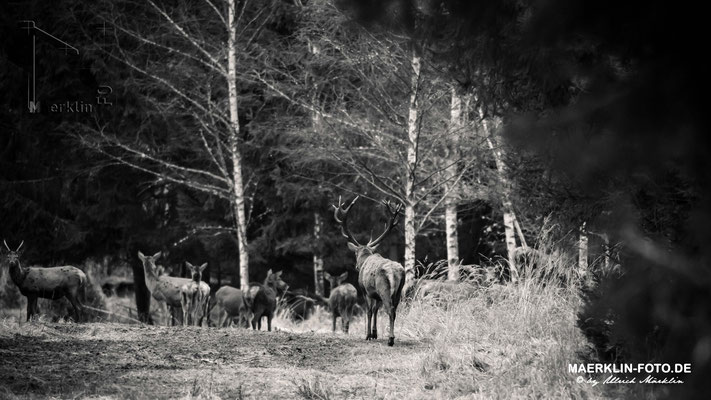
x: 196, y: 271
x: 273, y: 280
x: 363, y: 250
x: 13, y: 256
x: 150, y: 261
x: 336, y: 281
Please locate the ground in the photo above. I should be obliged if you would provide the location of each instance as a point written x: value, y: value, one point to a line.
x: 96, y: 360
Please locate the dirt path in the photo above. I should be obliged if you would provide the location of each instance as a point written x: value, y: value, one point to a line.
x: 131, y: 361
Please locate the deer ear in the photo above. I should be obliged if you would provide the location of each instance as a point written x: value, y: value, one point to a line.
x: 352, y: 246
x: 202, y: 267
x: 190, y: 266
x: 141, y: 256
x: 278, y: 274
x: 327, y: 275
x: 269, y: 272
x: 157, y: 255
x: 342, y: 277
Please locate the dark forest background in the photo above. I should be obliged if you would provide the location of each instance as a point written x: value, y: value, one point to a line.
x: 602, y: 110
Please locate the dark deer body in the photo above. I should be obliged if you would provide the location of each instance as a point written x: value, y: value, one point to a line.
x: 47, y: 283
x: 342, y: 300
x: 261, y: 299
x: 231, y: 304
x: 381, y: 279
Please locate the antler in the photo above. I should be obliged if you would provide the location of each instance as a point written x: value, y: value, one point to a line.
x: 344, y: 220
x: 392, y: 222
x: 6, y: 246
x: 18, y: 247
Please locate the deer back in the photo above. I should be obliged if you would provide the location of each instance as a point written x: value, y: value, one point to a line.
x: 260, y: 297
x: 343, y: 298
x: 381, y: 276
x: 168, y: 289
x: 55, y: 279
x: 231, y: 300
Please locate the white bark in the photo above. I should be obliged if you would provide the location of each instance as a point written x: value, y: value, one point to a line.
x: 318, y: 260
x: 237, y: 185
x: 450, y: 205
x: 413, y: 139
x: 583, y: 252
x: 506, y: 204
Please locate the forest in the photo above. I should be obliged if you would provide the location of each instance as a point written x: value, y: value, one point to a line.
x: 534, y: 176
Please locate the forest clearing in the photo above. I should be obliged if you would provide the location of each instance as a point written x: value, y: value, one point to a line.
x: 346, y: 199
x: 466, y: 351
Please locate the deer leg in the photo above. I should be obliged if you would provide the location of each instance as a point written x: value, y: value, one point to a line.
x: 269, y: 322
x: 206, y: 313
x: 377, y: 303
x: 76, y: 305
x: 31, y: 305
x: 369, y: 312
x: 333, y: 317
x: 390, y: 309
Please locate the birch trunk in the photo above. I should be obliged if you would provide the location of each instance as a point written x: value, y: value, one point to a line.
x: 316, y: 125
x: 507, y: 205
x: 237, y: 185
x: 413, y: 136
x: 583, y: 252
x: 450, y: 204
x: 318, y: 260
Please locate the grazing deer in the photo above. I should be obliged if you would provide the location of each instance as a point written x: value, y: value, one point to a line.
x: 194, y: 296
x: 231, y: 303
x: 342, y: 299
x: 381, y: 279
x: 165, y: 289
x: 261, y: 299
x: 47, y: 283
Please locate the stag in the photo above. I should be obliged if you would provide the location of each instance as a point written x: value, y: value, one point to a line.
x: 342, y: 300
x: 194, y: 296
x: 165, y: 289
x: 48, y: 283
x: 381, y: 279
x: 261, y: 299
x: 231, y: 304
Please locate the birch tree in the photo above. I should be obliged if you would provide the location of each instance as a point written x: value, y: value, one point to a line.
x: 187, y: 68
x: 384, y: 121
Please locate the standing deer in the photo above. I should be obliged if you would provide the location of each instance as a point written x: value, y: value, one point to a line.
x: 47, y: 283
x: 195, y: 296
x: 165, y: 289
x: 261, y: 299
x: 381, y: 279
x: 231, y: 303
x: 342, y: 299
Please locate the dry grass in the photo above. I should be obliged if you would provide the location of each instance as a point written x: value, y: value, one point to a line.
x: 510, y: 341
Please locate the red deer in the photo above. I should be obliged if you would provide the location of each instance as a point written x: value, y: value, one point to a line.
x: 261, y: 299
x: 381, y: 279
x: 47, y: 283
x: 231, y: 304
x: 342, y: 299
x: 195, y: 296
x: 163, y: 288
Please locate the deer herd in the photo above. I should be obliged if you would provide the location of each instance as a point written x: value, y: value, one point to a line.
x: 380, y: 279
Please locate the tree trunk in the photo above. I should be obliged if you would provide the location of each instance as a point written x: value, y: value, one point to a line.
x: 143, y: 296
x: 583, y: 252
x: 450, y: 204
x: 413, y: 136
x: 236, y: 157
x: 318, y: 260
x: 506, y: 204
